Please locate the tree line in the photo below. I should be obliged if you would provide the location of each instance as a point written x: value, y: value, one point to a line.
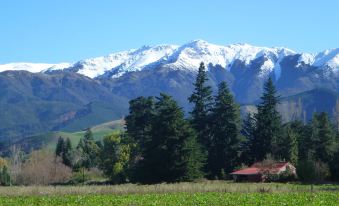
x: 161, y: 145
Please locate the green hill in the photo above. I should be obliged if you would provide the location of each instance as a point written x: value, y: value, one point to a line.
x: 37, y: 103
x: 49, y: 140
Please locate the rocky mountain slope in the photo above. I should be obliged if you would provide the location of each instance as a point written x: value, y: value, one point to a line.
x: 37, y: 98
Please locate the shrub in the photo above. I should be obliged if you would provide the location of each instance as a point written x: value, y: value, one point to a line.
x: 287, y: 176
x: 4, y: 176
x: 43, y: 168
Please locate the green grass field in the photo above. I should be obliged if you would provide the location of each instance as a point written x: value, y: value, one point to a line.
x: 201, y: 193
x: 236, y: 199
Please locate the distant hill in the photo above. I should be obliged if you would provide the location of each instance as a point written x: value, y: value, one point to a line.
x: 303, y: 105
x: 32, y: 103
x: 48, y: 140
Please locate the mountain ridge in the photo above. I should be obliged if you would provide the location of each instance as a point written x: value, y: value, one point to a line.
x: 67, y: 100
x: 187, y: 56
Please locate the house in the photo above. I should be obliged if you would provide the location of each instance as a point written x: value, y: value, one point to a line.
x: 262, y: 171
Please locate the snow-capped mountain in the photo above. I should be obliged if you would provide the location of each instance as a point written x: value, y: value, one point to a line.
x: 123, y: 62
x: 190, y: 55
x: 92, y: 91
x: 185, y: 57
x: 32, y: 67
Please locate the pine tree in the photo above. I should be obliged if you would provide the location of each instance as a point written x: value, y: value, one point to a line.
x: 191, y: 159
x: 305, y: 146
x: 65, y: 151
x: 268, y: 124
x: 67, y: 155
x: 248, y: 131
x: 323, y: 137
x: 139, y: 120
x: 334, y: 166
x: 225, y: 143
x: 202, y: 100
x: 59, y: 147
x: 138, y: 128
x: 173, y: 153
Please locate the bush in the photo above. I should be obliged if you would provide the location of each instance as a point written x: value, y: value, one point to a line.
x: 84, y: 175
x: 43, y: 168
x: 271, y: 177
x: 287, y: 176
x: 4, y: 176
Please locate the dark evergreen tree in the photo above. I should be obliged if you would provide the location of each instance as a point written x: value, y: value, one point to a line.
x: 224, y: 151
x: 65, y: 151
x: 202, y: 103
x: 173, y: 153
x: 317, y: 150
x: 138, y: 128
x: 60, y: 146
x: 139, y: 120
x: 305, y: 146
x: 334, y: 166
x: 5, y: 179
x: 248, y: 131
x: 323, y: 137
x: 268, y: 125
x: 67, y: 154
x: 191, y: 160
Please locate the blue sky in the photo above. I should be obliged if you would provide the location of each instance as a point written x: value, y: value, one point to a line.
x: 55, y: 31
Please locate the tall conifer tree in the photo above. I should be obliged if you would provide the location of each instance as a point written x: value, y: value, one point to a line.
x: 323, y: 137
x: 173, y: 153
x: 139, y: 120
x: 248, y: 131
x: 67, y: 155
x: 202, y: 103
x: 268, y: 124
x: 60, y: 146
x: 225, y: 143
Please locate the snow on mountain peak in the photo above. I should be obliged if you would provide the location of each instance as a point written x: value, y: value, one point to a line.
x: 306, y: 58
x: 122, y: 62
x: 328, y: 57
x: 185, y: 57
x: 190, y: 55
x: 32, y: 67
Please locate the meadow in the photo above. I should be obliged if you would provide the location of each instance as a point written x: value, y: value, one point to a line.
x: 200, y: 193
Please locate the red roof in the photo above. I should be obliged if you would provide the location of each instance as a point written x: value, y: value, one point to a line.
x: 258, y: 168
x: 246, y: 171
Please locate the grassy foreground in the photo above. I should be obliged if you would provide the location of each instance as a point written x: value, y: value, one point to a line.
x: 203, y: 193
x: 238, y: 199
